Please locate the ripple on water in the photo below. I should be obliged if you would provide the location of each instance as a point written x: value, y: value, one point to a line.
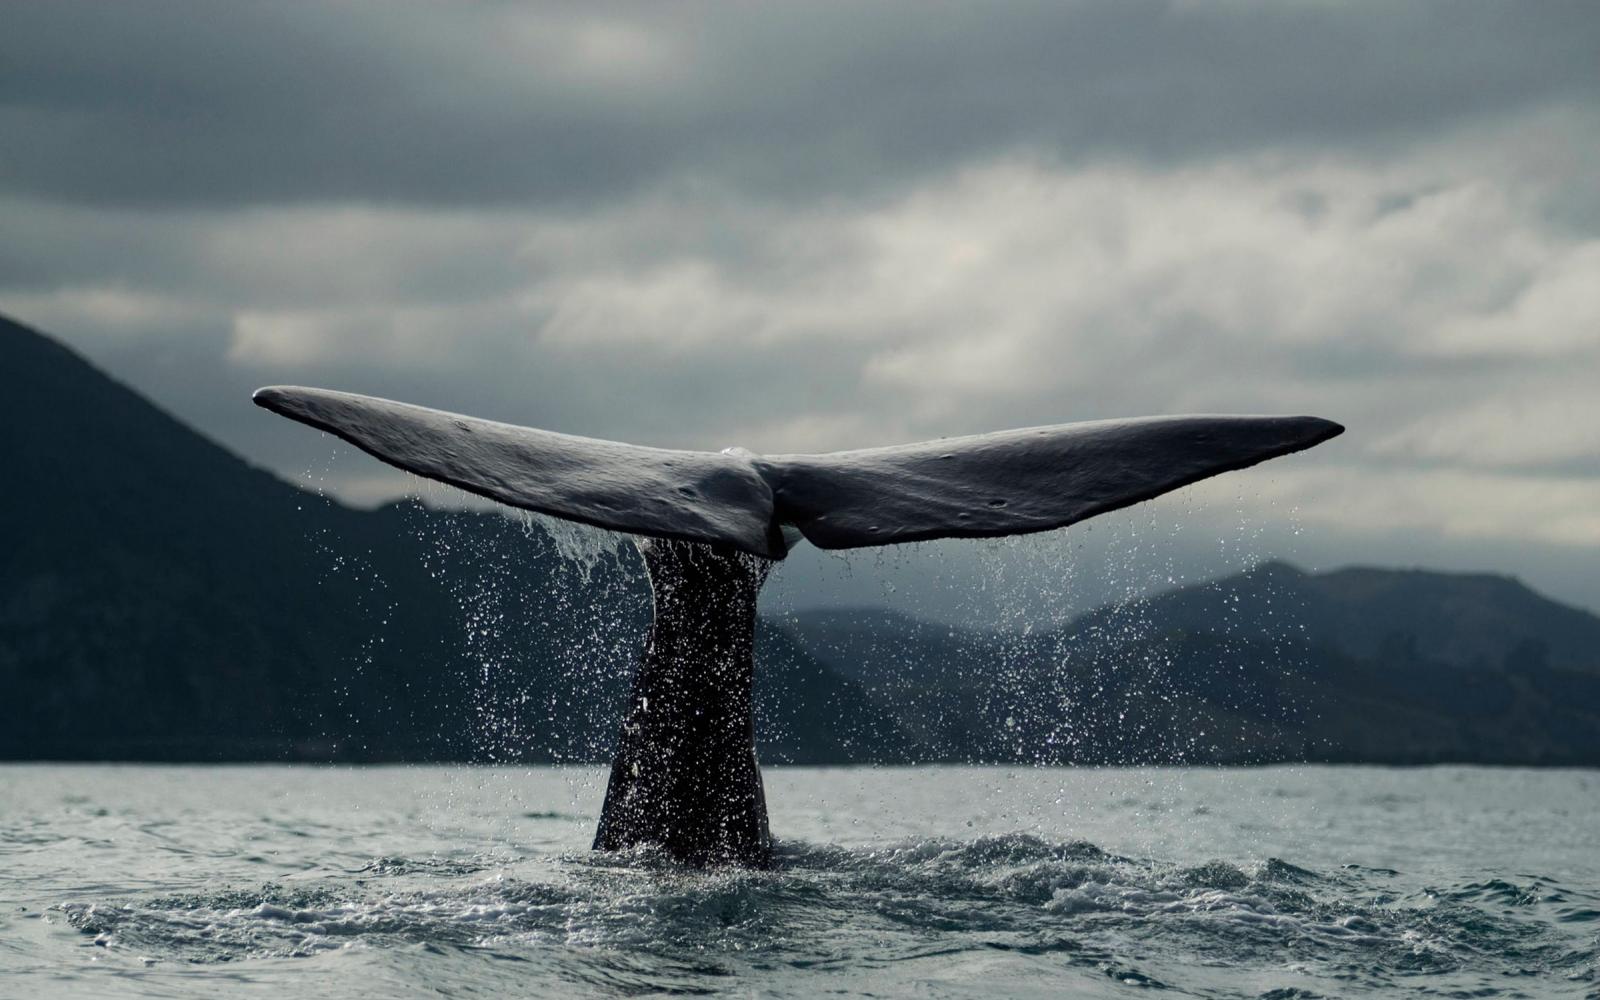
x: 1129, y: 921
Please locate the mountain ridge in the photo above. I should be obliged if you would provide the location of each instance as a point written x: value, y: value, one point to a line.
x: 1186, y: 677
x: 163, y: 599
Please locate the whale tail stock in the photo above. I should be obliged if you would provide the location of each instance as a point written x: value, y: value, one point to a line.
x: 684, y: 774
x: 986, y: 485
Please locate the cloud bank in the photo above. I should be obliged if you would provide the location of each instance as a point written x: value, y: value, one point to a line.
x: 811, y: 226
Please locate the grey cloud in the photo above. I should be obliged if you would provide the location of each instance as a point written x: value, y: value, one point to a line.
x: 790, y: 316
x: 816, y: 226
x: 207, y: 104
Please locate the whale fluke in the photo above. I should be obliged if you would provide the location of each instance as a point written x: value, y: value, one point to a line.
x: 1006, y: 483
x: 692, y: 496
x: 1021, y: 481
x: 1018, y: 482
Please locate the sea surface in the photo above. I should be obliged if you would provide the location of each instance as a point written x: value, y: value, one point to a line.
x: 301, y: 881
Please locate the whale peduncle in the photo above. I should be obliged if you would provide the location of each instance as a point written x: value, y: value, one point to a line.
x: 684, y: 775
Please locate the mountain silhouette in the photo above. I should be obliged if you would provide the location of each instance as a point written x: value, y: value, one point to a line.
x: 1274, y: 664
x: 162, y: 599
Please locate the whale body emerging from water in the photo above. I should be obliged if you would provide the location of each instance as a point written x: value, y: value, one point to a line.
x: 711, y: 525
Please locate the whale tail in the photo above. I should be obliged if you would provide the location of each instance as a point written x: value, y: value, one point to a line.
x: 685, y: 774
x: 986, y: 485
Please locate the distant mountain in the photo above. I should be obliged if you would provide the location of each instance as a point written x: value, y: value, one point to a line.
x: 1468, y: 620
x: 162, y: 599
x: 1399, y: 666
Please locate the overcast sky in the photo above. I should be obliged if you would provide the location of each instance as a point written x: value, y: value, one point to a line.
x: 809, y: 226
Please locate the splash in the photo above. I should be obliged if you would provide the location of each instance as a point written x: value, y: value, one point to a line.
x: 581, y: 546
x: 928, y: 907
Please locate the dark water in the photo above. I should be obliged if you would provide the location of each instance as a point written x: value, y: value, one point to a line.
x: 462, y: 882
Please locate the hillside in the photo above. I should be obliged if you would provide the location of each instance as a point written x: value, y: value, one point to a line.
x: 162, y: 599
x: 1468, y: 620
x: 1395, y: 666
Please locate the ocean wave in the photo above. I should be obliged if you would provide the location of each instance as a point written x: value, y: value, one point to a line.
x: 1134, y: 921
